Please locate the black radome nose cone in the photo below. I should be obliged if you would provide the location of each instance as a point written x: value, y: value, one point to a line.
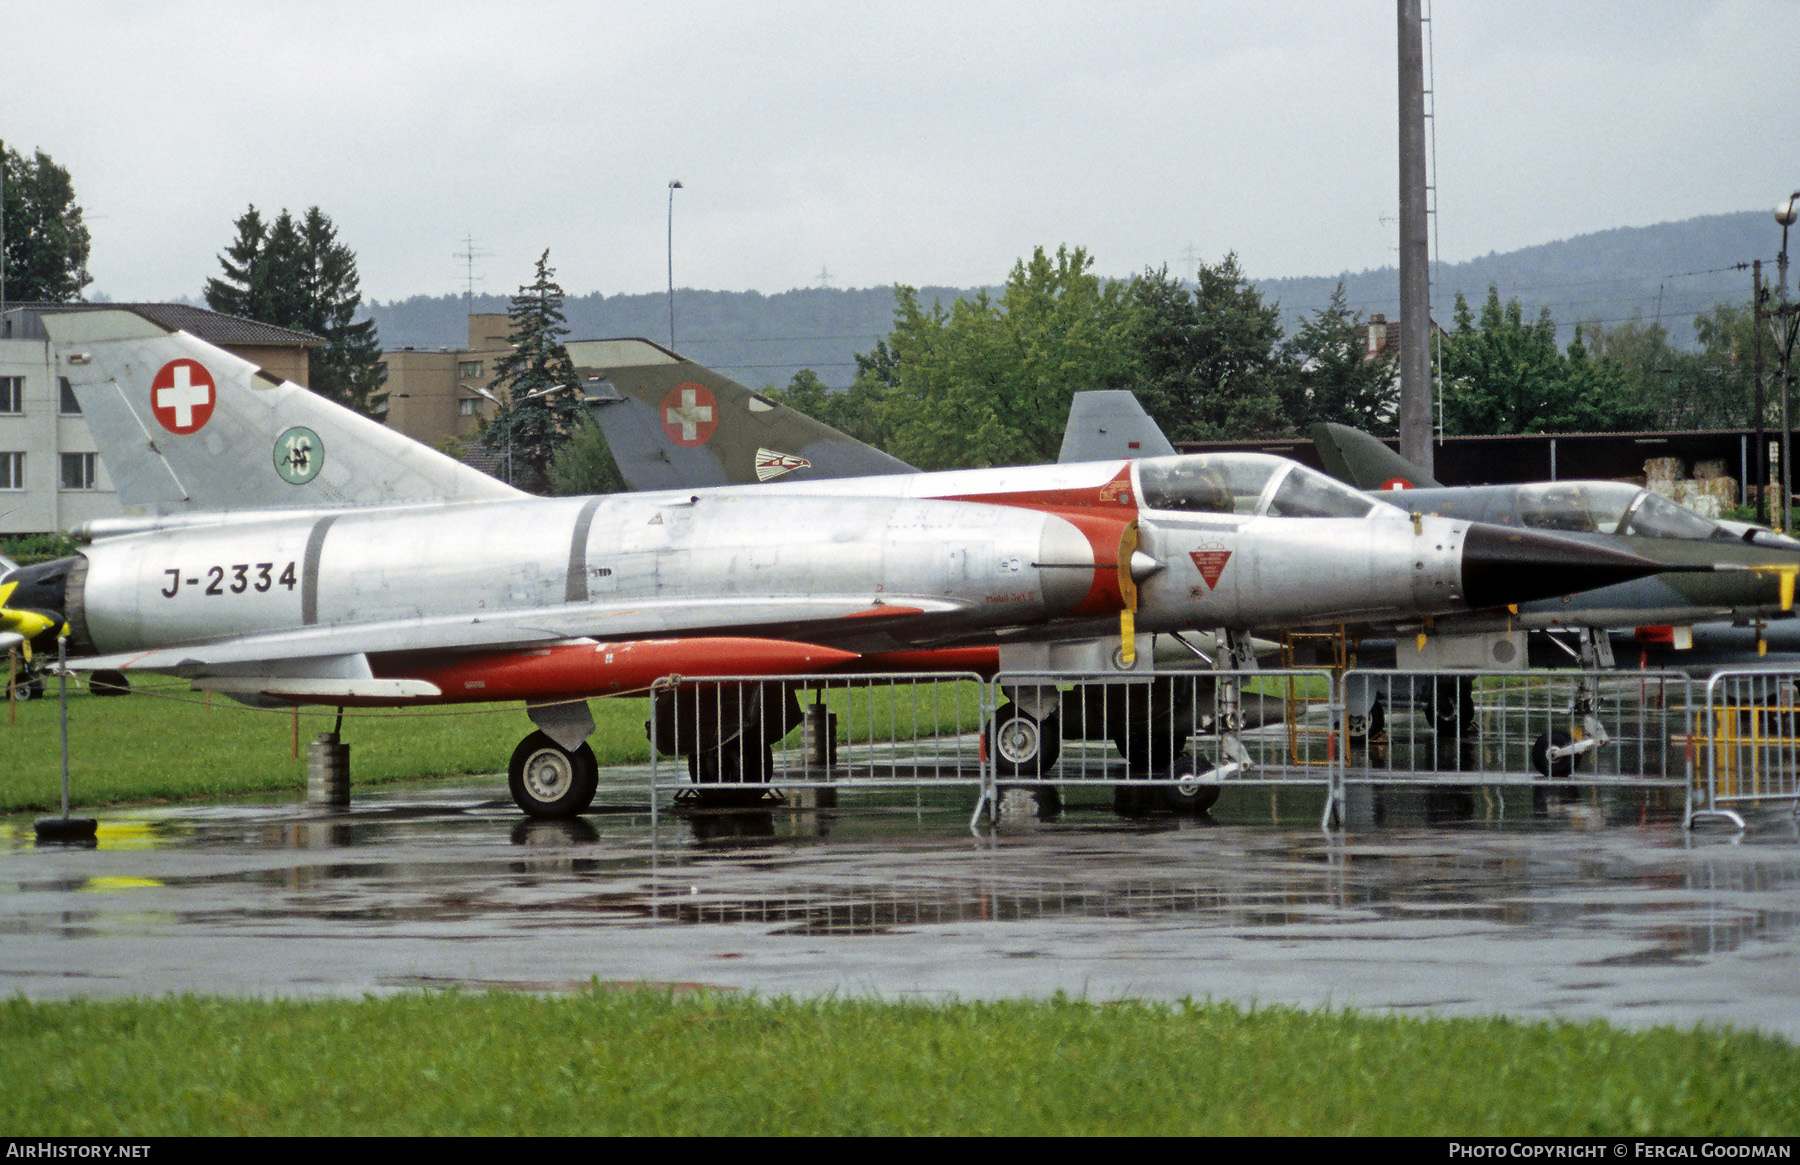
x: 1501, y: 565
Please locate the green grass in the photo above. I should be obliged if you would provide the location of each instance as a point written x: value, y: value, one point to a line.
x: 165, y: 742
x: 641, y: 1062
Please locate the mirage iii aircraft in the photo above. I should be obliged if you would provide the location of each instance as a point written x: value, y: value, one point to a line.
x: 1756, y: 567
x: 296, y: 552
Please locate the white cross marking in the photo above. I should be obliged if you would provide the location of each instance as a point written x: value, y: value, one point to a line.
x: 690, y: 416
x: 183, y: 396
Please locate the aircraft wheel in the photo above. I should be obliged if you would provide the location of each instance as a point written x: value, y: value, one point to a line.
x: 1453, y: 707
x: 28, y: 688
x: 108, y: 683
x: 1368, y: 732
x: 1190, y: 794
x: 1021, y: 744
x: 1540, y: 754
x: 548, y: 780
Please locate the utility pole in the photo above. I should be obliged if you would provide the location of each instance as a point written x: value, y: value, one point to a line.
x: 1757, y: 295
x: 673, y: 187
x: 1784, y: 327
x: 1415, y: 275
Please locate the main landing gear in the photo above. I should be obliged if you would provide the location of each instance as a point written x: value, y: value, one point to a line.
x: 548, y: 780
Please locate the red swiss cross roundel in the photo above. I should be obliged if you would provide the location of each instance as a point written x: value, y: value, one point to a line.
x: 182, y: 396
x: 1396, y: 483
x: 690, y: 414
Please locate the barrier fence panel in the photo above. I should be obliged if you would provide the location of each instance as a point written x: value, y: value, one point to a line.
x: 734, y: 741
x: 1748, y: 738
x: 1539, y: 728
x: 1175, y: 738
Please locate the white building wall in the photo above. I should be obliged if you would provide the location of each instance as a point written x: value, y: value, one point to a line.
x: 43, y: 434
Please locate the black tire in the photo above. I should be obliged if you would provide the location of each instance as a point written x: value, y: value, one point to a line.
x: 1373, y: 726
x: 1151, y: 739
x: 1540, y: 754
x: 1188, y: 795
x: 108, y: 683
x: 548, y: 780
x: 28, y: 688
x: 1453, y: 707
x: 1021, y: 744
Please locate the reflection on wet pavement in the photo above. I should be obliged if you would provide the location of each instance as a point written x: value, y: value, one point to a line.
x: 1603, y: 907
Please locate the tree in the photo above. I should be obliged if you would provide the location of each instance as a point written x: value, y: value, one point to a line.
x: 857, y: 411
x: 1211, y: 360
x: 46, y: 243
x: 537, y: 381
x: 988, y: 381
x: 584, y: 465
x: 296, y: 274
x: 1336, y: 379
x: 1506, y: 376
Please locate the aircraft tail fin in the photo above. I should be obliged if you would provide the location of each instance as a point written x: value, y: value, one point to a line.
x: 185, y: 426
x: 1110, y: 424
x: 1364, y: 461
x: 673, y: 424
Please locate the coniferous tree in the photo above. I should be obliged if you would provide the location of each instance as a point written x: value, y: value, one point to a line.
x: 537, y: 382
x: 296, y: 274
x: 46, y: 241
x: 1336, y: 378
x: 1212, y: 359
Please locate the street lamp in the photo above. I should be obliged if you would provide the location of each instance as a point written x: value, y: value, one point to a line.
x: 506, y: 408
x: 673, y: 187
x: 1783, y: 327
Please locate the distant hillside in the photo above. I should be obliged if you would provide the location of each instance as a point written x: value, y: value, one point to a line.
x: 1668, y: 272
x: 751, y: 337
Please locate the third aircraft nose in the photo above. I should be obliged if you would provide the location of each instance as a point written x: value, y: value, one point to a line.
x: 1502, y: 565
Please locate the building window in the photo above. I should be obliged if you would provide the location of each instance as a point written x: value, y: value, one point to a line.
x: 12, y: 395
x: 78, y: 470
x: 469, y: 368
x: 70, y: 407
x: 12, y: 471
x: 465, y: 407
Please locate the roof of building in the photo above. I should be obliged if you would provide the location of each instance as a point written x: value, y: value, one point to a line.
x: 213, y: 327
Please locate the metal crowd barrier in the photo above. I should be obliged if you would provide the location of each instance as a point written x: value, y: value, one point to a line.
x: 1747, y: 743
x: 742, y: 742
x: 1177, y: 739
x: 1510, y: 727
x: 1174, y: 739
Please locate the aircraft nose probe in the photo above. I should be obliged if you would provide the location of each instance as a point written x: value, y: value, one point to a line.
x: 1502, y: 565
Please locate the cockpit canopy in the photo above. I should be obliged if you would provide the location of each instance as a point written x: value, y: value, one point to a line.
x: 1610, y: 507
x: 1247, y: 484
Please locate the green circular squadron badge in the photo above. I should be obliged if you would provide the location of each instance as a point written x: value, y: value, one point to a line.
x: 299, y: 455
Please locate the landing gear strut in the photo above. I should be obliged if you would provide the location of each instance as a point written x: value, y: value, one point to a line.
x: 1556, y: 753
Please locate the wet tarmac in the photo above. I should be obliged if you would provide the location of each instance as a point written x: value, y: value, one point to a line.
x: 1603, y: 907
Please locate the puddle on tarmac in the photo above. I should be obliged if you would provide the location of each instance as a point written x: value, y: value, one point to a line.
x: 448, y: 868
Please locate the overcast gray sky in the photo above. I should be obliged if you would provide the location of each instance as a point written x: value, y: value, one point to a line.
x: 920, y: 142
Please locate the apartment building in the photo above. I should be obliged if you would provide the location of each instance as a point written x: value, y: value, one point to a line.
x: 51, y: 475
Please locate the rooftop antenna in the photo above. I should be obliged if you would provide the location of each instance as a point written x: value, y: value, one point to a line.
x: 468, y: 255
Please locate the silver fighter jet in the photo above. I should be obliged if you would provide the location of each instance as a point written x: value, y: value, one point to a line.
x: 303, y: 554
